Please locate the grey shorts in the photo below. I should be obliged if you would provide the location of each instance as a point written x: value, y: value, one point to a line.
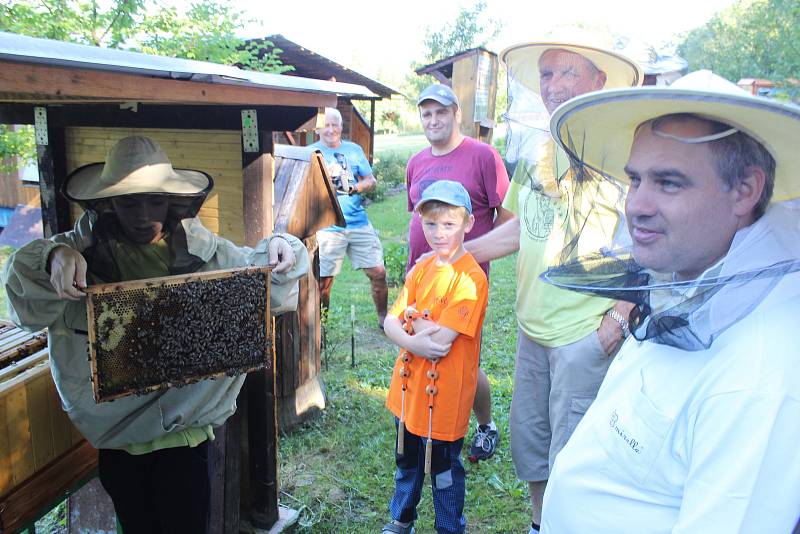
x: 553, y: 388
x: 361, y: 245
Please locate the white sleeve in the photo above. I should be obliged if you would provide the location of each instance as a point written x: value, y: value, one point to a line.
x: 32, y: 302
x: 744, y: 465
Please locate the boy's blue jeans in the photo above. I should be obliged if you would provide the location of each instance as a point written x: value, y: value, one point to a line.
x: 447, y: 483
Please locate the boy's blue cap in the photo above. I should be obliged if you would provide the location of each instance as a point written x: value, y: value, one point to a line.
x: 446, y: 191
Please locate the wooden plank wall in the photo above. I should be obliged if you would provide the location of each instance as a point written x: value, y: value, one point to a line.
x: 34, y: 430
x: 465, y: 72
x: 12, y: 192
x: 354, y: 126
x: 216, y: 152
x: 360, y: 132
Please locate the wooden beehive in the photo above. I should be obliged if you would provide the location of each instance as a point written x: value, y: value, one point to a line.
x: 174, y: 330
x: 34, y: 430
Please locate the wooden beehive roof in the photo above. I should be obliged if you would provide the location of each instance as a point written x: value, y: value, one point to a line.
x: 305, y: 200
x: 310, y: 64
x: 47, y: 71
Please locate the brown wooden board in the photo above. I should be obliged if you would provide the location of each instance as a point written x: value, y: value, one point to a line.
x: 19, y: 367
x: 171, y: 331
x: 38, y: 83
x: 15, y: 338
x: 5, y: 328
x: 29, y: 345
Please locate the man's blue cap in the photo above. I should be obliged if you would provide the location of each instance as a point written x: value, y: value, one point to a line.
x: 446, y: 191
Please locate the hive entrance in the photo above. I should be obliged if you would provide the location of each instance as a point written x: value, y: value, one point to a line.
x: 175, y: 330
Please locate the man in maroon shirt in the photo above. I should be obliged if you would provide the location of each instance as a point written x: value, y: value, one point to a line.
x: 479, y: 168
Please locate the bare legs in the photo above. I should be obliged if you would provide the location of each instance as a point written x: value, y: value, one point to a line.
x: 482, y: 405
x: 380, y: 290
x: 537, y: 496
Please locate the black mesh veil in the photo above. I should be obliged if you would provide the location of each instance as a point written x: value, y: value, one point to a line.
x: 589, y: 214
x: 688, y: 315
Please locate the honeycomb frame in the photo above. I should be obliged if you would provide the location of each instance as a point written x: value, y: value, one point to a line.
x: 150, y: 334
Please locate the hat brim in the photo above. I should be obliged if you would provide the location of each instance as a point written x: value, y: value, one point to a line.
x: 83, y: 183
x: 441, y: 100
x: 597, y: 128
x: 440, y: 198
x: 522, y: 62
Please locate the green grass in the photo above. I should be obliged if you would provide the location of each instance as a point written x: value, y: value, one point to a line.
x: 338, y: 469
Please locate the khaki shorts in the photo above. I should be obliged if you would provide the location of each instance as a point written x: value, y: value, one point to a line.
x: 361, y: 245
x: 553, y: 388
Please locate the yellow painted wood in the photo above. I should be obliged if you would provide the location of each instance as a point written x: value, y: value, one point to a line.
x: 34, y: 429
x: 216, y: 152
x: 40, y: 420
x: 62, y: 426
x: 6, y: 480
x: 19, y: 433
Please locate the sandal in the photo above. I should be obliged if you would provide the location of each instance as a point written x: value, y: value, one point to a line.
x: 393, y: 528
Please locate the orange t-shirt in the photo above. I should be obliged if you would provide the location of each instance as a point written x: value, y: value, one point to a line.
x: 456, y: 297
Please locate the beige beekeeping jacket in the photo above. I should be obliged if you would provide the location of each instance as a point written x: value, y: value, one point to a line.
x: 34, y: 305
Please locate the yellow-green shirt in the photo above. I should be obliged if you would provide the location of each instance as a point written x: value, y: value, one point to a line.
x: 150, y: 261
x: 554, y: 214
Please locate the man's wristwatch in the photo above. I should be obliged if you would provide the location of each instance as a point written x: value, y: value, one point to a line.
x: 623, y: 323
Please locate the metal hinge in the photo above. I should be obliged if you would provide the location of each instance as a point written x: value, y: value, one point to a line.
x: 40, y: 125
x: 250, y: 130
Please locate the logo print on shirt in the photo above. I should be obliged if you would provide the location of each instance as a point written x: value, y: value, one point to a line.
x: 620, y: 431
x: 538, y: 215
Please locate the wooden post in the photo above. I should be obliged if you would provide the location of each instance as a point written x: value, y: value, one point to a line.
x: 262, y: 439
x: 259, y: 389
x: 371, y: 130
x: 52, y: 162
x: 257, y: 177
x: 224, y: 465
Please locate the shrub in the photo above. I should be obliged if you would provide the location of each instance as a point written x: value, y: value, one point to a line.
x: 395, y: 256
x: 390, y: 168
x: 499, y: 143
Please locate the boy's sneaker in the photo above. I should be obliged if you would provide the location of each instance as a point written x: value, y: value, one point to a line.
x: 396, y: 527
x: 483, y: 444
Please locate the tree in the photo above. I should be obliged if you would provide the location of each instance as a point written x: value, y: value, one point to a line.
x: 470, y: 29
x: 17, y: 147
x: 206, y: 32
x: 750, y: 39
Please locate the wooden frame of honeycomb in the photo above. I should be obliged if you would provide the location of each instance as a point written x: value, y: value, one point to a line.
x: 171, y: 331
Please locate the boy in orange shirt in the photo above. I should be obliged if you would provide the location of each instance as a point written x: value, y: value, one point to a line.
x: 434, y: 379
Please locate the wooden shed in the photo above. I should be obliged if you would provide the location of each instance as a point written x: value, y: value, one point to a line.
x: 220, y: 119
x: 309, y: 64
x: 473, y: 76
x: 756, y: 86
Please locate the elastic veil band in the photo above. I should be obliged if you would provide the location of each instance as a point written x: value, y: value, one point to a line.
x: 696, y: 140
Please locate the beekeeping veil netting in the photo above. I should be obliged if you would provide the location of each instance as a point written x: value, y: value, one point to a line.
x: 595, y: 255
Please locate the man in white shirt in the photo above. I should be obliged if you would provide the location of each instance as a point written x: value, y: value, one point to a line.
x: 697, y: 424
